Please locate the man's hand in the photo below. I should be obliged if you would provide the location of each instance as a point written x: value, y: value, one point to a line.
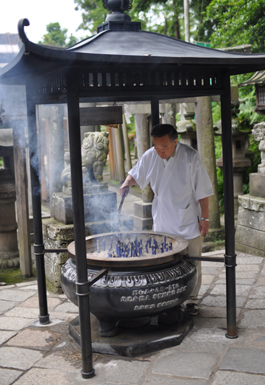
x: 204, y: 227
x: 125, y: 187
x: 204, y: 224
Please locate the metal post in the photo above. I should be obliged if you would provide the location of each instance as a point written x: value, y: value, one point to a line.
x: 155, y: 112
x: 36, y: 207
x: 230, y: 256
x: 79, y: 225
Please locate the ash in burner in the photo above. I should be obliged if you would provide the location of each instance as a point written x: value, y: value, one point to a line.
x: 126, y: 248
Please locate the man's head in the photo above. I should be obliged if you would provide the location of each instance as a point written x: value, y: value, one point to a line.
x: 165, y: 139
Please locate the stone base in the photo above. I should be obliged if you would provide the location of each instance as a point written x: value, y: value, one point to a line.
x: 250, y: 231
x: 143, y: 209
x: 142, y: 217
x: 97, y: 206
x: 132, y: 342
x: 257, y: 185
x: 142, y: 223
x: 57, y: 235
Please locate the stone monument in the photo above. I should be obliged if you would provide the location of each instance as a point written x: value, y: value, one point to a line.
x: 250, y: 232
x: 9, y: 254
x: 100, y: 206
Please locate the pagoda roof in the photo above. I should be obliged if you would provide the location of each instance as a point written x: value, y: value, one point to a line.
x: 122, y: 47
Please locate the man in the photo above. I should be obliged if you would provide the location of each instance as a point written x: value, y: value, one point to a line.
x: 181, y: 189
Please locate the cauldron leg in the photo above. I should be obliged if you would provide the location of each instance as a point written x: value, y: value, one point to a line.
x: 107, y: 327
x: 170, y: 316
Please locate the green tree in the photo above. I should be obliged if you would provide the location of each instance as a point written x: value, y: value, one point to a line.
x: 93, y: 14
x: 236, y: 22
x: 55, y: 36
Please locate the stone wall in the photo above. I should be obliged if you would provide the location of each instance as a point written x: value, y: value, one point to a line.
x: 250, y: 232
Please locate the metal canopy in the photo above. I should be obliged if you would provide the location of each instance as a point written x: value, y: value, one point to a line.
x: 122, y: 63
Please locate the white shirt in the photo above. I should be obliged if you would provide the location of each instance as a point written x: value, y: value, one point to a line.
x: 178, y: 184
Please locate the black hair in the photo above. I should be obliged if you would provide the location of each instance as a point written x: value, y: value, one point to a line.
x: 161, y: 130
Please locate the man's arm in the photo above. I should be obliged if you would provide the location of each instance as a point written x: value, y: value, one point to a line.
x: 125, y: 187
x: 203, y: 224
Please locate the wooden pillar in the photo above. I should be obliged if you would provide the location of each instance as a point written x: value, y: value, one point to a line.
x: 56, y: 150
x: 128, y: 162
x: 22, y: 198
x: 142, y: 137
x: 206, y: 148
x: 116, y: 157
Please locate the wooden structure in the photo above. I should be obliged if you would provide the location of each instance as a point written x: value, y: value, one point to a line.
x: 122, y: 63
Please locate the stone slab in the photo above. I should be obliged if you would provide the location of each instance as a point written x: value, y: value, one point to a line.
x: 184, y: 364
x: 255, y: 304
x: 5, y: 336
x: 97, y: 206
x: 33, y: 302
x: 252, y: 219
x: 205, y: 335
x: 143, y: 209
x: 6, y: 305
x: 251, y: 203
x: 241, y: 290
x: 18, y: 358
x: 249, y: 249
x: 257, y: 185
x: 167, y: 380
x: 142, y: 223
x: 34, y: 338
x: 244, y: 360
x: 225, y: 378
x: 258, y: 292
x: 253, y: 319
x: 252, y: 274
x: 247, y: 259
x: 132, y: 342
x: 10, y: 323
x: 17, y: 295
x: 8, y: 376
x: 23, y: 312
x: 220, y: 301
x: 252, y: 238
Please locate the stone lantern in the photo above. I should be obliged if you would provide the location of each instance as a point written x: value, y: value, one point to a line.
x: 187, y: 129
x: 239, y: 152
x: 9, y: 255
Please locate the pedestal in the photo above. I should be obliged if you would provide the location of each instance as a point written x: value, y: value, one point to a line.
x: 9, y: 254
x: 142, y: 217
x: 99, y: 204
x: 250, y: 231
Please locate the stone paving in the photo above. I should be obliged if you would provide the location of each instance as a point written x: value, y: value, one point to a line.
x: 33, y: 354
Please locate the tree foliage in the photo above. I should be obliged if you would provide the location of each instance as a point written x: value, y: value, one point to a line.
x: 55, y: 35
x: 236, y: 22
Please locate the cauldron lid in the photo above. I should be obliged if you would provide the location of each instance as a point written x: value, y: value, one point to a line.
x: 179, y: 244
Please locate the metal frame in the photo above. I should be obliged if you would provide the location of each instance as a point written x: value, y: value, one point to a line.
x: 91, y: 72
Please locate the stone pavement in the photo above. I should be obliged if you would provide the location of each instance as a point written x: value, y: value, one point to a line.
x: 31, y: 354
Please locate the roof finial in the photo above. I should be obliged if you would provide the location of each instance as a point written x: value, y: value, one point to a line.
x: 117, y: 20
x: 117, y: 5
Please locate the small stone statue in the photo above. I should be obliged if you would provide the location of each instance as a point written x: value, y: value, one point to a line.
x: 259, y: 135
x: 95, y: 148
